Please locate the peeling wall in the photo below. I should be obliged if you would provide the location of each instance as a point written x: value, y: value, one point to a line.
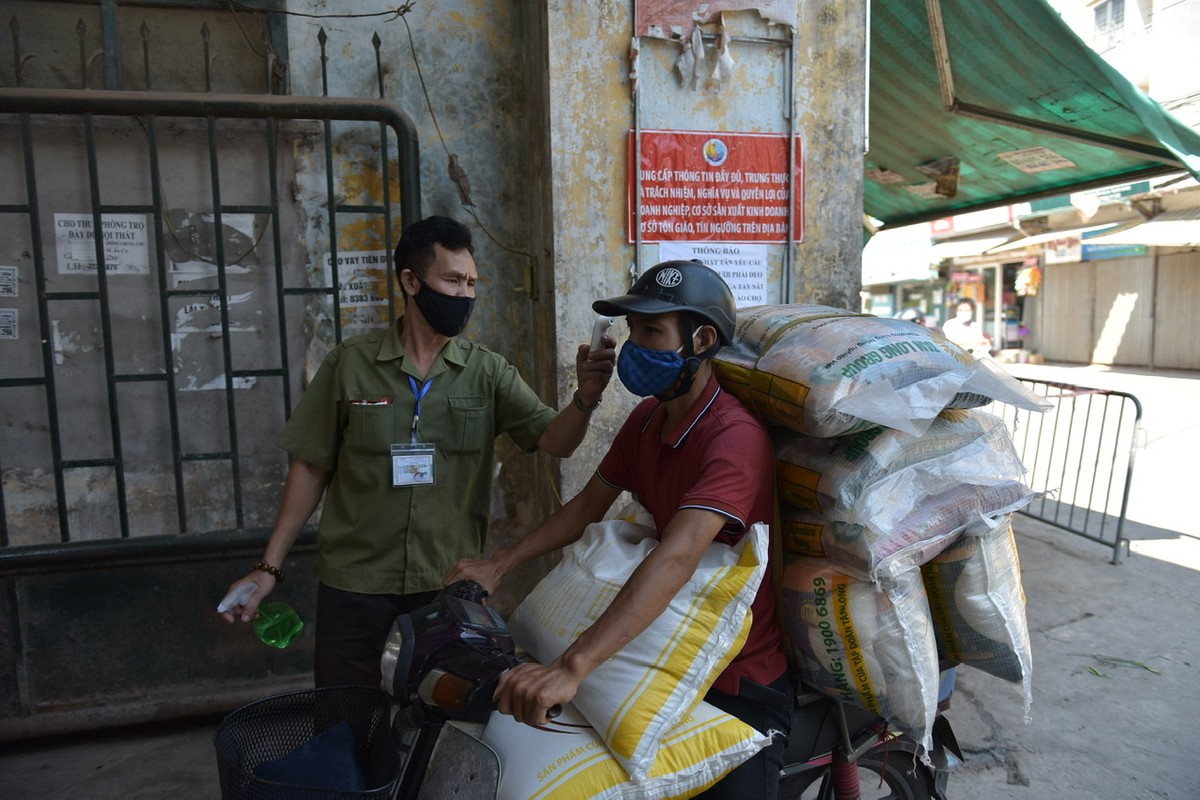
x: 592, y: 107
x: 533, y: 102
x: 472, y: 56
x: 830, y: 106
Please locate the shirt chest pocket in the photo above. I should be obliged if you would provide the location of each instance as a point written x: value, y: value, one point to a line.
x: 468, y: 423
x: 371, y: 427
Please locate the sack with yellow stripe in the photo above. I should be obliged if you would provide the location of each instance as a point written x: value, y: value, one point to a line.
x: 566, y: 759
x: 653, y: 682
x: 826, y: 371
x: 868, y: 644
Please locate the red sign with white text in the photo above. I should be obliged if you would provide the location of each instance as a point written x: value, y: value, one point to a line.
x: 715, y: 187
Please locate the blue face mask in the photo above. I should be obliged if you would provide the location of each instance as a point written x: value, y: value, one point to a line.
x: 649, y: 372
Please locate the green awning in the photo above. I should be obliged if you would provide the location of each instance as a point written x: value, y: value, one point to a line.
x: 1007, y: 89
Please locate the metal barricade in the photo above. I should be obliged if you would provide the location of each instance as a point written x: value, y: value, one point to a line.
x: 1080, y: 457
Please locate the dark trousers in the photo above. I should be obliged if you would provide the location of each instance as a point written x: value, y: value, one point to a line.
x: 351, y: 631
x: 764, y: 708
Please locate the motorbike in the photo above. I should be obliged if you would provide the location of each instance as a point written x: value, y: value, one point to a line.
x: 441, y: 664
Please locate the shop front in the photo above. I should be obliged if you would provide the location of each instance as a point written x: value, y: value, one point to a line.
x: 999, y: 291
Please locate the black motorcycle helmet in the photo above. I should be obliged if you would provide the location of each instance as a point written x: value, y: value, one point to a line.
x: 690, y: 287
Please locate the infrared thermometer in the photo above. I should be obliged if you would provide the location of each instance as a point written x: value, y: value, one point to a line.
x: 601, y: 325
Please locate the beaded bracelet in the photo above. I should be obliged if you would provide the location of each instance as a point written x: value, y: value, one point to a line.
x: 274, y: 572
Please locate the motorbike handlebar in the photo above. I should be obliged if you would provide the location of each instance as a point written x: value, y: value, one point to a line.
x: 467, y: 590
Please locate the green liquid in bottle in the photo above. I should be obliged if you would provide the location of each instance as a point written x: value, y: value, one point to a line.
x: 278, y: 624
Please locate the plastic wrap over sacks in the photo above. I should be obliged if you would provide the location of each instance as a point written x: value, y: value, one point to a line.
x: 978, y: 604
x: 644, y: 690
x: 878, y: 477
x: 825, y: 371
x: 868, y: 644
x: 566, y: 759
x: 886, y: 552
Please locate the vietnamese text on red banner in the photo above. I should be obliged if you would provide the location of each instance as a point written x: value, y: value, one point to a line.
x: 716, y: 187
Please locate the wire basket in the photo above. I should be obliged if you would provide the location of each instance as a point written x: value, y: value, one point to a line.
x: 317, y: 744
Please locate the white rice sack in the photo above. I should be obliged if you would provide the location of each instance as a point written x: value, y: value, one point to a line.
x: 644, y: 690
x: 566, y: 759
x: 978, y: 604
x: 878, y: 477
x: 868, y: 644
x: 886, y: 552
x: 825, y: 371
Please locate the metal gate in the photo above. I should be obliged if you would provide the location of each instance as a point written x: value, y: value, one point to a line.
x: 172, y: 267
x: 1080, y: 457
x: 156, y: 228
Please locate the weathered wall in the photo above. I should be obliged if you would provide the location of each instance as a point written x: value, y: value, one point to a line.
x: 481, y: 63
x: 535, y: 104
x: 534, y: 101
x: 830, y: 106
x: 593, y: 109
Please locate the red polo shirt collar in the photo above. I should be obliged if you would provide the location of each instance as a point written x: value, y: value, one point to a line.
x: 697, y: 410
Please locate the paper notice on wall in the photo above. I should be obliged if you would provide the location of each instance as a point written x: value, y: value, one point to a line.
x: 8, y: 324
x: 362, y: 288
x: 125, y: 244
x: 8, y: 281
x: 743, y: 266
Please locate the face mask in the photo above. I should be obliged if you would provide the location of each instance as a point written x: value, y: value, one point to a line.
x: 964, y: 316
x: 447, y: 314
x: 648, y: 372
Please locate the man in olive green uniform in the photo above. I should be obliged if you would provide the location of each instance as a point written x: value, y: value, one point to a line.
x: 397, y: 431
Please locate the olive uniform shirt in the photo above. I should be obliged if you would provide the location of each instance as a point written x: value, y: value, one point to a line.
x: 375, y: 538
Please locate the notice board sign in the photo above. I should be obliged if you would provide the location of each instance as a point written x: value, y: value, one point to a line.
x: 699, y: 186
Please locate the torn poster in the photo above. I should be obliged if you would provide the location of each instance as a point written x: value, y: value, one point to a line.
x: 674, y: 19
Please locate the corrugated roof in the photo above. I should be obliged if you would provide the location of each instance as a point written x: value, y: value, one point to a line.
x: 1026, y: 108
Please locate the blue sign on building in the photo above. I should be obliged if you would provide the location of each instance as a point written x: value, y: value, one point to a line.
x: 1099, y: 252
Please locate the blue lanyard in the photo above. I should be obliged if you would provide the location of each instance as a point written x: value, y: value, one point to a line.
x: 420, y: 395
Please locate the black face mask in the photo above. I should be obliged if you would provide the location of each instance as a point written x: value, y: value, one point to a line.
x: 447, y: 314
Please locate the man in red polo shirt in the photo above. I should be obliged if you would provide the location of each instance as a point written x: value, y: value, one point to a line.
x: 702, y: 465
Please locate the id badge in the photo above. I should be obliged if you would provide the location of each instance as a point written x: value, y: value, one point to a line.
x: 412, y: 464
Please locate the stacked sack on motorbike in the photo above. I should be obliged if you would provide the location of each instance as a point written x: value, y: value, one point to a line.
x: 896, y: 495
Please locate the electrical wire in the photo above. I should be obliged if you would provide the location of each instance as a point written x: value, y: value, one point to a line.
x: 451, y: 158
x: 398, y: 11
